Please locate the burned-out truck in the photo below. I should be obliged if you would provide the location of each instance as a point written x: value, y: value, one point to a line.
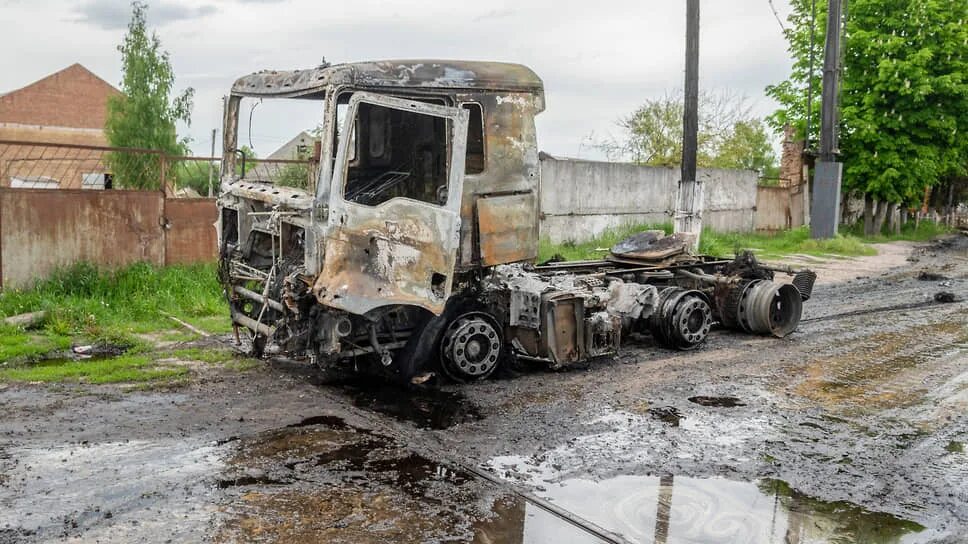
x: 410, y: 244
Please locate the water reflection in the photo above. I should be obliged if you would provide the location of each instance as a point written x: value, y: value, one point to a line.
x: 671, y: 510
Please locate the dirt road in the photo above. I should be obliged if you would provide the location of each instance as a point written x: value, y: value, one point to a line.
x: 850, y: 430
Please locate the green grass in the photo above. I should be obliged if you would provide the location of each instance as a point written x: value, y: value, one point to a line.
x: 590, y: 250
x: 924, y: 231
x: 135, y: 368
x: 17, y: 344
x: 787, y: 242
x: 769, y: 245
x: 214, y: 324
x: 90, y: 305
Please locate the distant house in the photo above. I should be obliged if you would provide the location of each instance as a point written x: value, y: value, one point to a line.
x: 66, y: 107
x: 301, y: 147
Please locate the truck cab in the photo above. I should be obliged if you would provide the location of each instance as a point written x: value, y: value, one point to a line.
x: 427, y: 171
x: 407, y: 241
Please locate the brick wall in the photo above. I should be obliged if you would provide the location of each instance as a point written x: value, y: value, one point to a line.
x: 73, y: 97
x: 791, y: 161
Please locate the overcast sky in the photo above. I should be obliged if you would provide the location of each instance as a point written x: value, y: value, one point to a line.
x: 598, y: 60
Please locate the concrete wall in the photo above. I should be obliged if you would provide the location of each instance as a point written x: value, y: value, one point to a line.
x: 580, y: 199
x: 779, y: 208
x: 41, y: 230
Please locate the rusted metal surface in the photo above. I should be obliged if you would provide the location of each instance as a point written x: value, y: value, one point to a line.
x: 778, y: 208
x: 507, y: 230
x: 653, y: 245
x: 402, y: 251
x: 391, y: 257
x: 511, y: 167
x: 43, y: 230
x: 190, y: 230
x: 287, y: 196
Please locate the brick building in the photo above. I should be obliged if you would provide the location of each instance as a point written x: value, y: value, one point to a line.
x: 66, y: 107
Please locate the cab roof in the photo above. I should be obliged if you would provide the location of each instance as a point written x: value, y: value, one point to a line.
x: 424, y: 74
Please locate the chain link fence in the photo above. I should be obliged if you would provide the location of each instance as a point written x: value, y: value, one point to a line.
x: 35, y: 165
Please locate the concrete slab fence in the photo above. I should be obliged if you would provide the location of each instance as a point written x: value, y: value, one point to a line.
x: 580, y: 199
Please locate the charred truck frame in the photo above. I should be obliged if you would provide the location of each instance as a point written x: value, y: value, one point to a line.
x: 411, y: 246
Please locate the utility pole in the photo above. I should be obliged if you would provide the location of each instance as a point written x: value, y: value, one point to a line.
x: 825, y: 207
x: 689, y: 201
x: 211, y: 167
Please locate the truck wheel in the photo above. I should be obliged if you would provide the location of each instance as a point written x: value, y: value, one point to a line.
x: 471, y: 347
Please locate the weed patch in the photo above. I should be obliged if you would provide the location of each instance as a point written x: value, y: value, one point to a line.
x: 718, y: 244
x: 16, y: 344
x: 788, y: 242
x: 922, y: 232
x: 92, y: 305
x: 124, y: 368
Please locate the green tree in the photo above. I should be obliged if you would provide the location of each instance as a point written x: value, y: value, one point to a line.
x: 904, y: 101
x: 729, y: 135
x: 145, y: 114
x: 747, y: 147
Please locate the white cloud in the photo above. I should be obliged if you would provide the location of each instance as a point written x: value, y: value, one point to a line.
x: 112, y: 14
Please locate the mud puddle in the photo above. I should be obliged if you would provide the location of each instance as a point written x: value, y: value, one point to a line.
x: 427, y: 408
x: 672, y: 509
x: 322, y: 480
x: 716, y: 402
x: 580, y: 476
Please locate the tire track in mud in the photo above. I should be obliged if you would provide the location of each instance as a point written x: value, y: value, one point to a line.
x: 871, y: 387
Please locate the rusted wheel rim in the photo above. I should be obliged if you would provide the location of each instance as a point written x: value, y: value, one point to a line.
x: 471, y: 347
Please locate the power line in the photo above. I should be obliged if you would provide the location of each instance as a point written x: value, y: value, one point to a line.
x: 777, y: 15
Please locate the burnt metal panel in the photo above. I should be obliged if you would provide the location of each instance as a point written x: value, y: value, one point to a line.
x: 396, y: 254
x: 511, y: 159
x: 564, y: 320
x: 508, y: 228
x: 452, y: 74
x: 402, y: 251
x: 191, y: 235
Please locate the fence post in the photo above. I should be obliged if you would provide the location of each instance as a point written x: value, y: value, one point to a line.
x: 2, y: 198
x: 163, y: 172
